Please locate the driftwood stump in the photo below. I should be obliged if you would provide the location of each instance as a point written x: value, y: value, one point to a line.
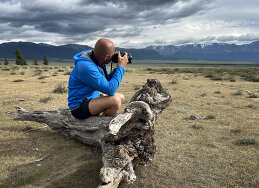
x: 126, y: 139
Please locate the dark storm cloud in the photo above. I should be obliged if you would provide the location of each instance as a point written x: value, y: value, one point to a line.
x: 71, y: 18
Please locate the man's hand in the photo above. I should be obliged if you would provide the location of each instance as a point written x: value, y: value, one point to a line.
x: 122, y: 61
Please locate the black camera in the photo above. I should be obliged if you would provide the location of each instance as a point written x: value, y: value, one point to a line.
x: 115, y: 57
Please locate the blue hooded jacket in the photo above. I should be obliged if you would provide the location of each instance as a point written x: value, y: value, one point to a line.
x: 88, y: 79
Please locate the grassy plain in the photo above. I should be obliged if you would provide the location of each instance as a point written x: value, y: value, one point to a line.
x: 222, y: 151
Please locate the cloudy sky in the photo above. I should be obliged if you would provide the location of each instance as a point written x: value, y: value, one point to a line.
x: 129, y: 23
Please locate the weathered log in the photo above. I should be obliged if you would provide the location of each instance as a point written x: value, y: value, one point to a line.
x: 126, y: 139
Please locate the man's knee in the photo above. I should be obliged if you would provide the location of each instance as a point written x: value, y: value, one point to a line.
x: 120, y: 96
x: 118, y: 100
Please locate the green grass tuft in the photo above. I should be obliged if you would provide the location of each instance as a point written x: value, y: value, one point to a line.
x: 195, y: 126
x: 137, y: 87
x: 211, y: 116
x: 26, y: 128
x: 247, y: 140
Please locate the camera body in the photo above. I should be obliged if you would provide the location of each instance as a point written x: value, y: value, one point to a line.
x: 115, y: 57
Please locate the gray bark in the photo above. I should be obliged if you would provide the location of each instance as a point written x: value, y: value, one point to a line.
x: 126, y: 139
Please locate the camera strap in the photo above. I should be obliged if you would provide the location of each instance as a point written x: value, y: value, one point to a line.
x: 111, y: 67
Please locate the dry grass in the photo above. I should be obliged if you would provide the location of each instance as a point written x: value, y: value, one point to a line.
x: 190, y: 153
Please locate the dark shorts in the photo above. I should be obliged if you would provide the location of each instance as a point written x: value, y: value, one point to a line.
x: 82, y: 111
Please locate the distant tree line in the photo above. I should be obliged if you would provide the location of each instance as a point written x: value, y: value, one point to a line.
x: 20, y: 60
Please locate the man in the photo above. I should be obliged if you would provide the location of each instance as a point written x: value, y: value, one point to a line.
x: 90, y: 76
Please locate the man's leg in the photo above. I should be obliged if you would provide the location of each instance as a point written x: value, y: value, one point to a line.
x: 108, y: 105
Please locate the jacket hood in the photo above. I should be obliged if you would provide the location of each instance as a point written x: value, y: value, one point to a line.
x: 78, y: 57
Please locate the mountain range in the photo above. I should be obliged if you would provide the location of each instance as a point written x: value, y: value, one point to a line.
x: 214, y: 51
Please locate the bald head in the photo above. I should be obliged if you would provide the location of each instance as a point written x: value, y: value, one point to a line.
x: 104, y: 48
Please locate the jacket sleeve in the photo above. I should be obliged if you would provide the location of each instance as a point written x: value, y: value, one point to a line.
x: 110, y: 75
x: 89, y: 74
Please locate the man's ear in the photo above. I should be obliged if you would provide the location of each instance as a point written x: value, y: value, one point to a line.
x: 106, y: 57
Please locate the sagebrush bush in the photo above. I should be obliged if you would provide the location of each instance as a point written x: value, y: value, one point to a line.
x: 217, y: 92
x: 6, y: 69
x: 45, y: 99
x: 247, y: 140
x: 67, y: 73
x: 235, y: 131
x: 43, y: 77
x: 37, y: 72
x: 26, y: 128
x: 211, y: 116
x: 216, y: 77
x: 61, y: 70
x: 173, y: 81
x: 195, y: 126
x: 60, y: 88
x: 251, y: 106
x: 18, y: 80
x: 252, y: 95
x: 232, y: 79
x: 239, y: 92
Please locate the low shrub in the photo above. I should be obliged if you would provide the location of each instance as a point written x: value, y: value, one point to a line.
x: 232, y: 79
x: 15, y: 67
x: 26, y: 128
x: 247, y: 140
x: 239, y: 92
x: 211, y: 116
x: 174, y: 81
x: 37, y: 72
x: 195, y: 126
x: 208, y: 74
x: 43, y: 77
x: 45, y: 99
x: 179, y: 110
x: 60, y: 88
x: 216, y: 77
x: 18, y: 80
x: 61, y: 70
x: 251, y: 106
x: 235, y: 131
x: 137, y: 87
x: 251, y: 77
x: 252, y: 95
x: 67, y: 73
x: 6, y: 69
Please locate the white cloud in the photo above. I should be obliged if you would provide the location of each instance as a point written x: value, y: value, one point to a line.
x: 131, y: 23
